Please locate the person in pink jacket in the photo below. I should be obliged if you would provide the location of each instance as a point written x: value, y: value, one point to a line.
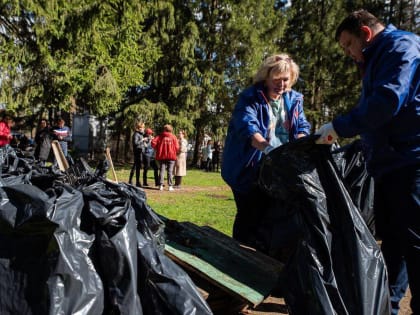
x: 166, y: 148
x: 5, y: 125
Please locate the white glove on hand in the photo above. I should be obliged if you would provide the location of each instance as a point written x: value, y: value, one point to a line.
x: 327, y: 134
x: 268, y: 149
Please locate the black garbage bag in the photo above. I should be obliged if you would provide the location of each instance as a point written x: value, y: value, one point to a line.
x: 75, y: 243
x: 129, y: 255
x: 14, y: 162
x: 110, y: 217
x: 150, y: 225
x: 166, y: 287
x: 279, y: 230
x: 335, y: 266
x: 352, y: 167
x: 44, y: 268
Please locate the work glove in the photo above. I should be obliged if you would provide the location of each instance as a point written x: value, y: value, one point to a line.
x: 327, y: 134
x: 268, y: 149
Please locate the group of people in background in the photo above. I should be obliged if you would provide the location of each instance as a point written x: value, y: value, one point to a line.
x: 210, y: 156
x: 165, y: 154
x: 45, y: 134
x: 138, y: 140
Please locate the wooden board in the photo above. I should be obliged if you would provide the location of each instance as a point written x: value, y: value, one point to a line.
x: 63, y: 165
x: 241, y: 272
x: 111, y: 164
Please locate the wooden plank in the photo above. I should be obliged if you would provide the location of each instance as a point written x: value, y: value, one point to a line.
x: 203, y: 293
x: 111, y: 165
x: 62, y: 162
x: 219, y: 300
x: 243, y: 272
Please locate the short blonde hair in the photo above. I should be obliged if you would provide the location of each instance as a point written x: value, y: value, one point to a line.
x: 278, y: 63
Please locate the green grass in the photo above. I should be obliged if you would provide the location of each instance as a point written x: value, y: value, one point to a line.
x: 204, y: 199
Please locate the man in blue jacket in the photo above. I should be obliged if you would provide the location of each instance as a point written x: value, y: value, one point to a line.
x: 387, y: 118
x: 268, y: 114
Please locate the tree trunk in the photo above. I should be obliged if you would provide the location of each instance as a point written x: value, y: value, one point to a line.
x: 199, y: 134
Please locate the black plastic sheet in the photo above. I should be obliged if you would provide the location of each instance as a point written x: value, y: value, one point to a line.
x: 334, y: 265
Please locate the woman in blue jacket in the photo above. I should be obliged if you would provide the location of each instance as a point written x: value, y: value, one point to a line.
x: 268, y: 114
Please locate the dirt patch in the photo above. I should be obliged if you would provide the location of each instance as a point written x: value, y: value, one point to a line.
x: 276, y: 306
x: 270, y: 306
x: 154, y: 193
x: 183, y: 190
x: 405, y: 304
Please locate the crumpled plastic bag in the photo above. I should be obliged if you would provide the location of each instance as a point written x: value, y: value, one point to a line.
x: 334, y: 265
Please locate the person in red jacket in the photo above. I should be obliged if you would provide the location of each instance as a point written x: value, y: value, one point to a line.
x: 166, y: 148
x: 5, y: 125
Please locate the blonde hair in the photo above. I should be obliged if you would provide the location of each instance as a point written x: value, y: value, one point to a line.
x: 139, y: 125
x: 278, y: 63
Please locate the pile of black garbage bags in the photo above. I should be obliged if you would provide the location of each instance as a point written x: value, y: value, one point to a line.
x: 74, y: 243
x: 321, y: 225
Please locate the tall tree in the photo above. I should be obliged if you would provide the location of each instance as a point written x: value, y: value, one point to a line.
x: 211, y: 51
x: 329, y: 80
x: 177, y: 61
x: 329, y: 83
x: 404, y: 14
x: 58, y: 54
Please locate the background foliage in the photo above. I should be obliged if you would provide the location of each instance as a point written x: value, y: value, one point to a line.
x: 173, y: 61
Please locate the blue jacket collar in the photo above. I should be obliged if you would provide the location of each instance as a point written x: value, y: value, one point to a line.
x: 369, y: 50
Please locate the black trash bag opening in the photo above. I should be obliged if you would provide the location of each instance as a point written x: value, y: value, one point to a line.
x: 336, y: 265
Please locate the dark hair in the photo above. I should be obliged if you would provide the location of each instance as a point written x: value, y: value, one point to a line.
x: 355, y: 21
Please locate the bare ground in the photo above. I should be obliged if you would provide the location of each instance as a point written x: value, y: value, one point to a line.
x: 276, y: 306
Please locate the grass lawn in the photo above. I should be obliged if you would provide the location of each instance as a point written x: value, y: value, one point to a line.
x: 204, y: 199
